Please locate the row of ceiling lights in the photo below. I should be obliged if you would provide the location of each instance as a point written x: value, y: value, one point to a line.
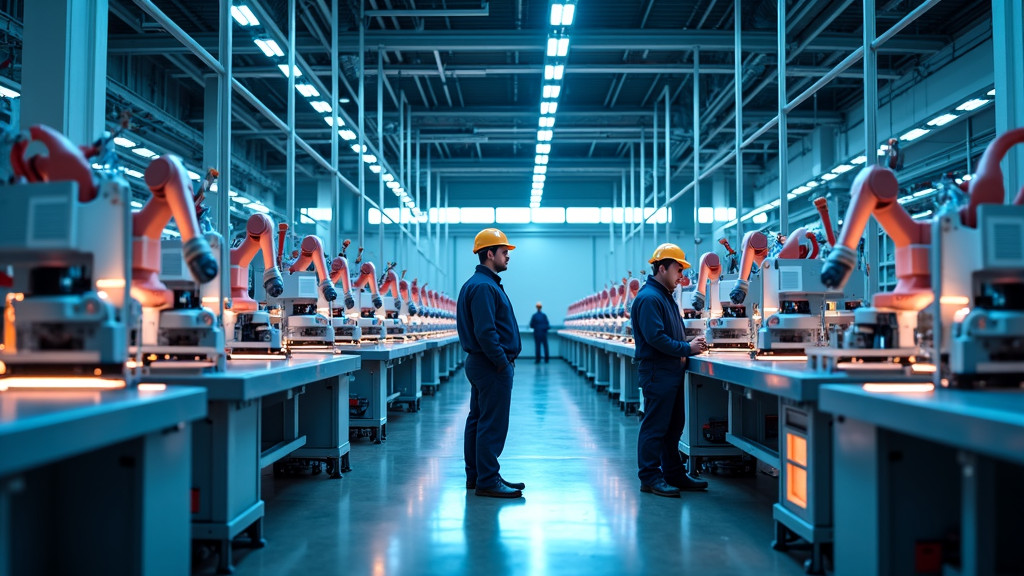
x: 759, y: 215
x: 244, y: 16
x: 562, y: 15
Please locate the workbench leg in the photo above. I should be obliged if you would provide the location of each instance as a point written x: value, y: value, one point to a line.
x: 224, y: 565
x: 345, y: 466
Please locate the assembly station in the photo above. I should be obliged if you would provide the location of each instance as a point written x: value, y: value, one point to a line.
x: 511, y: 287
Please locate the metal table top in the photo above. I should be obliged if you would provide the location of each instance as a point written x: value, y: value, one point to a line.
x: 790, y: 379
x: 386, y: 351
x: 433, y: 343
x: 251, y: 379
x: 38, y: 427
x: 987, y: 422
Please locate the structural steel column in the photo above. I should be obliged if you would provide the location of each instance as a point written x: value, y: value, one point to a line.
x: 1008, y: 44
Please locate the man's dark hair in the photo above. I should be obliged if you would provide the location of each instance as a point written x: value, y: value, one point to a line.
x: 667, y: 263
x: 483, y: 253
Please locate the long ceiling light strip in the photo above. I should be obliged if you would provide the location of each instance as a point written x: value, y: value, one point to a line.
x: 556, y: 54
x: 244, y: 16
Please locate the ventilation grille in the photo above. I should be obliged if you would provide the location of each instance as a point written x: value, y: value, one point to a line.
x: 1008, y: 243
x: 791, y: 279
x: 307, y: 287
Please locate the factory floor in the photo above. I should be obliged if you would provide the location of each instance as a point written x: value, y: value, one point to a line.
x: 404, y: 509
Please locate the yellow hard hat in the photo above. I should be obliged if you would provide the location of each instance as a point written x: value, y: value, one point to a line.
x: 669, y: 250
x: 490, y: 237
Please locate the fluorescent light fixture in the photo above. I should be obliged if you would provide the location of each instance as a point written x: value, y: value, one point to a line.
x: 269, y: 47
x: 896, y: 387
x: 568, y: 12
x: 284, y: 70
x: 320, y: 214
x: 541, y: 159
x: 547, y: 215
x: 124, y: 142
x: 924, y: 192
x: 552, y: 90
x: 512, y: 215
x: 972, y: 104
x: 244, y: 16
x: 859, y: 160
x: 546, y: 122
x: 330, y: 121
x: 829, y: 176
x: 97, y: 166
x: 241, y: 200
x: 583, y: 215
x: 544, y: 135
x: 136, y: 204
x: 563, y: 47
x: 9, y: 92
x: 324, y: 108
x: 133, y: 173
x: 259, y: 207
x: 539, y: 177
x: 554, y: 71
x: 392, y: 184
x: 548, y: 107
x: 992, y: 92
x: 761, y: 218
x: 914, y: 134
x: 369, y: 158
x: 213, y: 188
x: 543, y: 148
x: 358, y: 149
x: 705, y: 215
x: 842, y: 169
x: 194, y: 175
x: 556, y: 14
x: 347, y: 135
x: 800, y: 190
x: 388, y: 177
x: 477, y: 215
x: 812, y: 184
x: 942, y: 120
x: 308, y: 90
x: 552, y: 46
x: 144, y: 152
x: 721, y: 214
x: 171, y: 233
x: 375, y: 168
x: 538, y: 186
x: 540, y: 169
x: 920, y: 215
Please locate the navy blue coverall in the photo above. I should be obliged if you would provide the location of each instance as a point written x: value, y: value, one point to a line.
x: 662, y: 350
x: 540, y: 325
x: 489, y: 333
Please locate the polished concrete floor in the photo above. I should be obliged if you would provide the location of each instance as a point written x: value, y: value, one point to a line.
x: 403, y: 509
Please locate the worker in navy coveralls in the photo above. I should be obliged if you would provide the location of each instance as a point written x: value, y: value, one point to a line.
x: 489, y: 334
x: 540, y: 325
x: 661, y: 350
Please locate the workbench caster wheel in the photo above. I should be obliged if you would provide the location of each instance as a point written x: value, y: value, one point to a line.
x: 316, y: 467
x: 345, y: 466
x: 333, y: 468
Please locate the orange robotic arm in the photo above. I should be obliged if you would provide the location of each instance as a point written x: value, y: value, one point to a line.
x: 874, y: 192
x: 313, y: 251
x: 631, y: 289
x: 64, y: 162
x: 826, y: 221
x: 368, y: 277
x: 172, y: 196
x: 389, y: 283
x: 755, y: 250
x: 987, y: 185
x: 406, y: 291
x: 793, y: 250
x: 259, y: 238
x: 710, y: 270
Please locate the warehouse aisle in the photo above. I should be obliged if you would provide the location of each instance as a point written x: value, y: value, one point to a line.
x: 404, y: 508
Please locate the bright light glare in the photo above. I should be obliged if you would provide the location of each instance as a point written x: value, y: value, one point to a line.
x: 859, y: 160
x: 269, y: 47
x: 552, y: 46
x: 544, y: 135
x: 972, y: 104
x: 914, y: 134
x: 375, y: 168
x: 541, y: 159
x: 308, y: 90
x: 144, y: 152
x: 58, y: 382
x: 323, y: 108
x: 829, y: 176
x: 761, y: 218
x: 563, y: 46
x: 705, y: 215
x: 546, y: 122
x: 942, y: 120
x: 842, y: 169
x: 244, y: 16
x: 891, y: 387
x: 543, y: 148
x: 284, y: 70
x: 388, y: 177
x: 552, y: 90
x: 124, y: 142
x: 347, y: 135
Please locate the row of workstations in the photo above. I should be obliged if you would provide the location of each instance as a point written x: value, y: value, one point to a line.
x: 879, y: 477
x: 110, y: 481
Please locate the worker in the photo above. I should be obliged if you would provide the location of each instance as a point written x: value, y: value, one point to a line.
x: 489, y: 334
x: 662, y: 350
x: 540, y: 326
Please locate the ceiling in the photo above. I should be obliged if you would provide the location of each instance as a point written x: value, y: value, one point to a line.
x: 473, y: 83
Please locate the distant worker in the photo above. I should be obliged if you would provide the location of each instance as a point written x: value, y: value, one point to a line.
x: 489, y: 333
x: 662, y: 350
x: 540, y: 326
